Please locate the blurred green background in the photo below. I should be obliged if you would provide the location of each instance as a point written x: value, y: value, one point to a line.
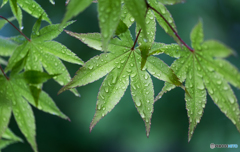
x: 123, y: 129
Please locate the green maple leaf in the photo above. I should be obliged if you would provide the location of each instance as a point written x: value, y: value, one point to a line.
x: 204, y: 69
x: 7, y: 46
x: 30, y: 6
x: 121, y: 63
x: 43, y: 52
x: 15, y: 93
x: 8, y: 138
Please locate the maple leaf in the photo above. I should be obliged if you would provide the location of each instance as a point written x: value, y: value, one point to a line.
x: 30, y: 6
x: 7, y: 46
x: 121, y: 63
x: 15, y: 93
x: 43, y: 52
x: 8, y: 138
x: 204, y: 69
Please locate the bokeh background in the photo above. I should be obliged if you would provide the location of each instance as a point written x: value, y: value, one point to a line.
x: 123, y: 129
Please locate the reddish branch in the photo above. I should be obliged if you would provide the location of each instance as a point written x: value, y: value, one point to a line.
x: 174, y: 31
x: 138, y: 33
x: 16, y: 28
x: 136, y: 39
x: 4, y: 72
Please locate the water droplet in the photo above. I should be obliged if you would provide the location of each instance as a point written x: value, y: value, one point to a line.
x: 219, y: 82
x: 225, y: 88
x: 133, y: 86
x: 105, y: 35
x: 106, y: 89
x: 201, y: 87
x: 231, y: 100
x: 133, y: 75
x: 163, y: 11
x: 190, y: 119
x: 138, y: 103
x: 90, y: 67
x: 101, y: 96
x: 114, y: 80
x: 210, y: 91
x: 146, y: 77
x: 142, y: 115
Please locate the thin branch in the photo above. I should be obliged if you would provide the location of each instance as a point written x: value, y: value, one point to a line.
x: 175, y: 32
x: 139, y: 30
x: 4, y: 72
x: 16, y: 28
x: 136, y: 39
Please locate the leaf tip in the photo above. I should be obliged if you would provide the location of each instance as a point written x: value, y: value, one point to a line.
x: 69, y: 119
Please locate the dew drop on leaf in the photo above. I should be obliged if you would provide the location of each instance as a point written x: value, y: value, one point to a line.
x: 219, y: 82
x: 231, y: 100
x: 142, y: 115
x: 210, y: 91
x: 138, y: 103
x: 106, y: 89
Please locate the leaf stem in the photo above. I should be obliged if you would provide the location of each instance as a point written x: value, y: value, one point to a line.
x: 16, y: 28
x: 175, y: 32
x: 136, y: 39
x: 140, y: 29
x: 4, y: 72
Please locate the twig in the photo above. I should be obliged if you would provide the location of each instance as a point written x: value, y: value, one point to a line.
x: 136, y: 39
x: 4, y: 72
x: 175, y: 32
x: 139, y: 30
x: 16, y: 28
